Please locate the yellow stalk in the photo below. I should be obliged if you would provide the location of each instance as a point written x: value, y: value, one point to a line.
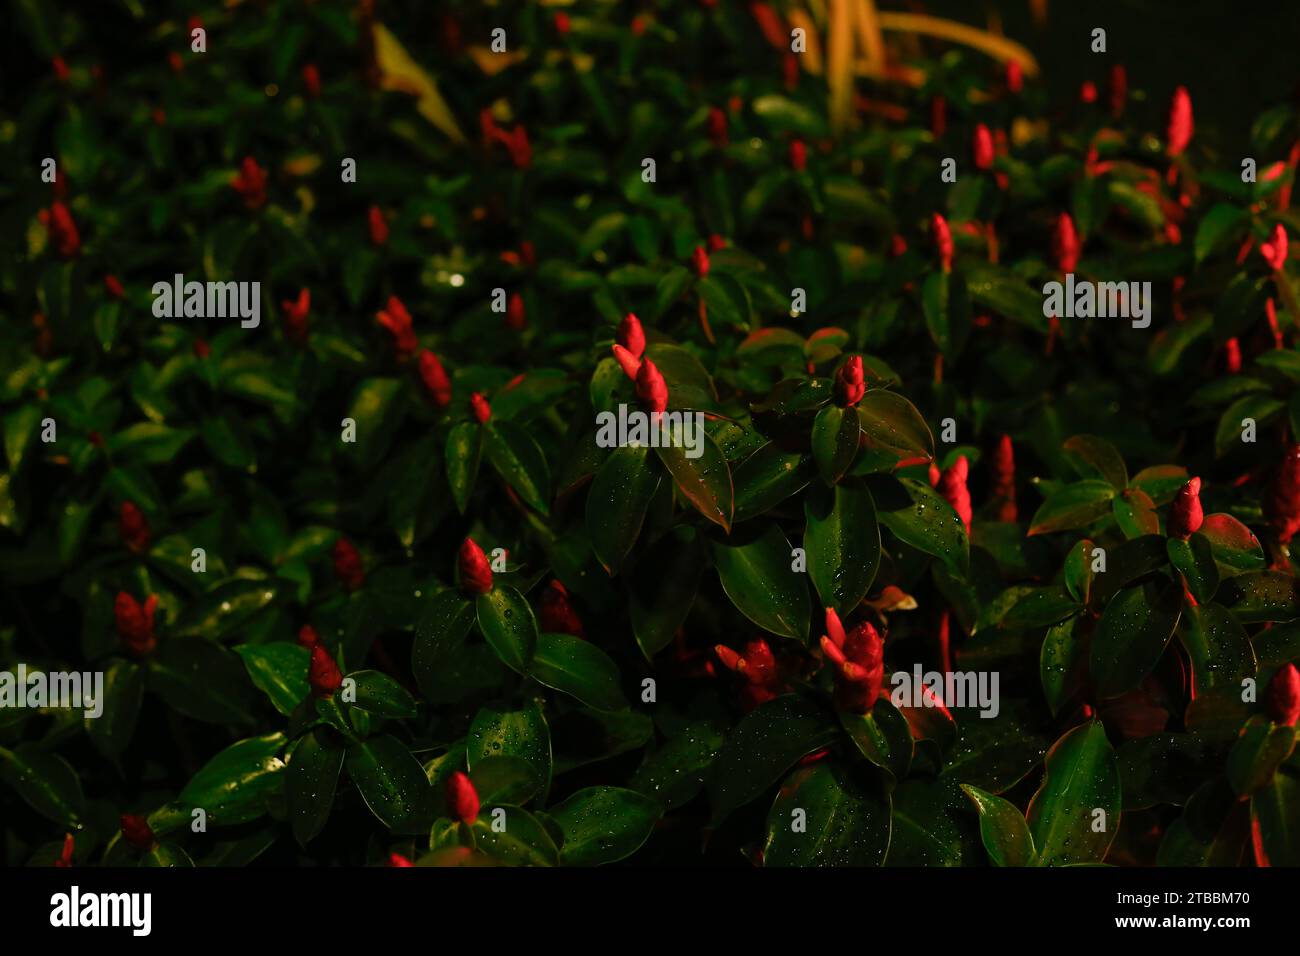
x: 999, y: 48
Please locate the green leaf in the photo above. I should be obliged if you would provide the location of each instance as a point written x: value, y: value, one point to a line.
x: 1217, y: 226
x: 892, y: 423
x: 1275, y: 821
x: 917, y: 515
x: 1073, y: 506
x: 1258, y: 753
x: 946, y: 305
x: 882, y: 736
x: 603, y: 825
x: 19, y: 429
x: 279, y: 670
x: 1059, y: 664
x: 931, y: 826
x: 617, y: 502
x: 828, y: 815
x: 501, y: 779
x: 1135, y: 513
x: 1261, y: 596
x: 226, y: 608
x: 1002, y: 828
x: 392, y: 783
x: 519, y: 733
x: 1077, y: 571
x: 663, y: 589
x: 766, y: 742
x: 201, y: 680
x: 1232, y: 543
x: 519, y: 460
x: 842, y: 543
x: 756, y: 573
x: 704, y: 481
x: 1165, y: 768
x: 123, y: 693
x: 1194, y: 560
x: 1219, y: 650
x: 768, y: 477
x: 314, y: 767
x: 1211, y: 831
x: 377, y: 409
x: 440, y: 631
x: 522, y: 841
x: 578, y: 668
x: 464, y: 448
x: 1082, y: 777
x: 379, y: 694
x: 235, y: 785
x: 508, y: 624
x: 1131, y: 635
x: 835, y: 441
x: 45, y: 782
x: 674, y: 773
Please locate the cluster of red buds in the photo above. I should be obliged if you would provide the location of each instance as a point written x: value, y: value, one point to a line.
x: 347, y: 565
x: 133, y: 528
x: 250, y: 183
x: 858, y: 658
x: 135, y: 623
x: 394, y: 317
x: 516, y: 141
x: 629, y: 352
x: 758, y: 667
x: 475, y: 569
x: 323, y: 674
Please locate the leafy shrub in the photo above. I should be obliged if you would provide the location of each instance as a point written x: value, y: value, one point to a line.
x: 363, y: 583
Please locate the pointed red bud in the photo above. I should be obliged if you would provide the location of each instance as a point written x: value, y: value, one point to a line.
x: 700, y: 260
x: 982, y: 147
x: 1282, y: 698
x: 135, y: 623
x: 849, y: 382
x: 1180, y: 121
x: 397, y: 860
x: 1015, y: 76
x: 435, y: 379
x: 798, y: 156
x: 952, y: 485
x: 1282, y: 503
x: 462, y: 798
x: 347, y: 565
x: 378, y: 226
x: 137, y: 832
x: 631, y: 335
x: 557, y: 613
x: 942, y: 236
x: 1065, y: 243
x: 1275, y: 249
x: 1186, y: 516
x: 475, y: 570
x: 480, y: 408
x: 133, y: 528
x: 516, y: 317
x: 323, y: 674
x: 651, y: 388
x: 307, y: 636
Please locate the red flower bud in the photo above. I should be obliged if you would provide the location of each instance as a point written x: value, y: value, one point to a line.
x: 323, y: 673
x: 798, y: 156
x: 347, y: 565
x: 982, y: 147
x: 942, y: 241
x: 295, y: 316
x: 60, y: 68
x: 396, y: 859
x: 1118, y: 89
x: 858, y: 658
x: 307, y: 636
x: 475, y: 571
x: 133, y: 527
x: 717, y: 127
x: 174, y: 62
x: 849, y: 382
x: 1282, y: 503
x: 114, y: 287
x: 202, y: 349
x: 631, y: 336
x: 1088, y: 92
x: 311, y: 80
x: 651, y: 388
x: 628, y: 362
x: 135, y: 623
x: 716, y: 242
x: 1004, y: 479
x: 770, y: 22
x: 479, y: 406
x: 378, y: 226
x: 952, y: 485
x: 558, y: 615
x: 65, y: 857
x: 1232, y: 356
x: 1065, y: 243
x: 1270, y: 313
x: 435, y: 379
x: 63, y: 230
x: 397, y: 320
x: 1015, y: 76
x: 897, y: 246
x: 1282, y: 698
x: 700, y: 260
x: 1185, y: 516
x: 250, y: 183
x: 1180, y: 121
x: 758, y: 667
x: 1274, y: 250
x: 516, y: 318
x: 562, y: 25
x: 137, y: 832
x: 462, y: 798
